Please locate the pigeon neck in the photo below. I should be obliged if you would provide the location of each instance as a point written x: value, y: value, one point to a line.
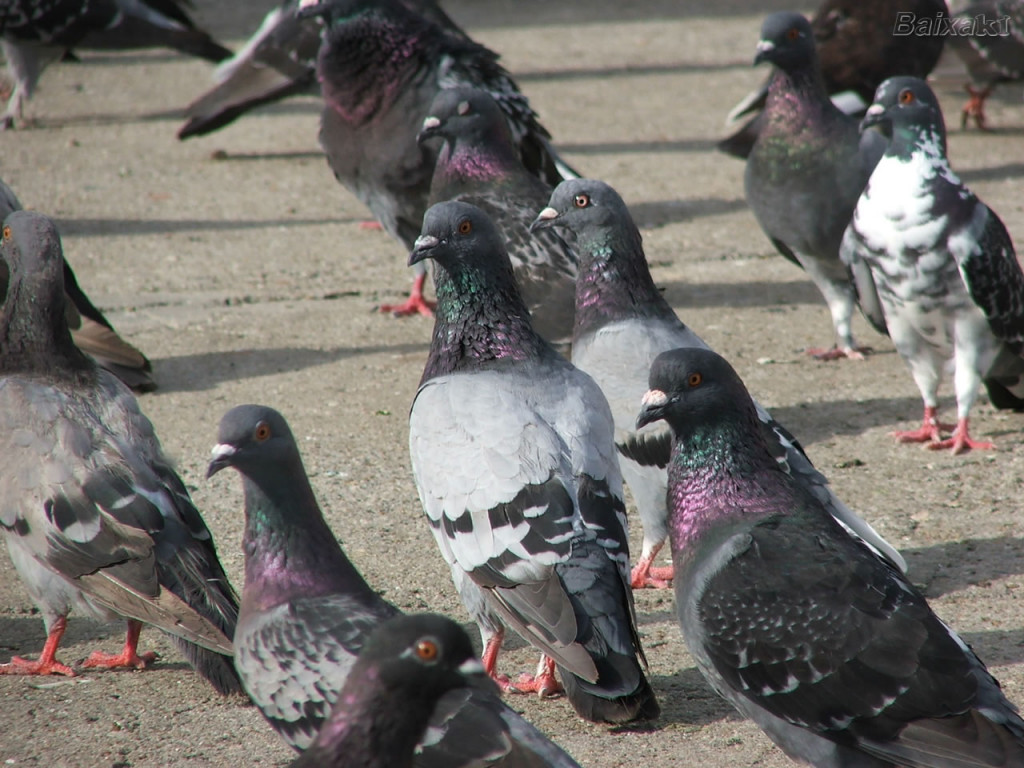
x: 34, y: 335
x: 927, y: 141
x: 479, y: 323
x: 461, y: 162
x: 794, y: 94
x: 614, y: 281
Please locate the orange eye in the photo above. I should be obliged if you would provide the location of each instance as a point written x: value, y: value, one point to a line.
x: 7, y: 233
x: 581, y: 201
x: 793, y: 33
x: 262, y: 432
x: 694, y: 379
x: 907, y: 96
x: 427, y: 650
x: 465, y: 227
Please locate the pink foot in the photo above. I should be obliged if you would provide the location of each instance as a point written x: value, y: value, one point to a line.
x: 930, y: 431
x: 47, y: 663
x: 961, y: 442
x: 415, y: 304
x: 372, y: 224
x: 835, y: 353
x: 544, y: 683
x: 975, y: 107
x: 645, y: 575
x: 128, y: 658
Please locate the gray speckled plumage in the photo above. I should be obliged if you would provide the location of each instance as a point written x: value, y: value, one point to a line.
x: 807, y: 168
x: 478, y: 164
x: 622, y: 324
x: 306, y: 613
x: 826, y: 646
x: 94, y: 516
x: 947, y: 281
x: 513, y: 454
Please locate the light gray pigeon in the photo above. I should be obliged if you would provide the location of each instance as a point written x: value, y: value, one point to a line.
x: 831, y: 650
x: 807, y: 169
x: 944, y: 277
x: 623, y: 323
x: 94, y: 516
x: 514, y: 459
x: 35, y: 32
x: 380, y: 67
x: 90, y: 330
x: 301, y: 627
x: 478, y: 164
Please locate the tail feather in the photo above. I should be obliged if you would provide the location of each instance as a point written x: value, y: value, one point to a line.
x: 591, y: 705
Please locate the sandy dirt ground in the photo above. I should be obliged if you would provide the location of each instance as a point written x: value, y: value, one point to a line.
x: 237, y: 264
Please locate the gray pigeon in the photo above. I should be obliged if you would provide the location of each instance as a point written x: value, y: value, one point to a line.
x: 807, y: 169
x: 380, y: 67
x: 622, y: 323
x: 989, y: 39
x: 478, y: 164
x: 831, y: 650
x: 944, y: 277
x: 36, y: 32
x: 514, y: 459
x: 94, y: 516
x: 90, y: 330
x: 301, y: 627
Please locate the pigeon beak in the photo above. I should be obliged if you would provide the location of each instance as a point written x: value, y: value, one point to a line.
x: 423, y: 248
x: 545, y: 219
x: 429, y: 129
x: 310, y: 8
x: 472, y: 667
x: 764, y: 51
x: 220, y: 458
x: 652, y: 407
x: 874, y: 116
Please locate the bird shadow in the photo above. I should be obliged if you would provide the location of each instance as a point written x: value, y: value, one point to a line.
x: 112, y: 227
x: 996, y: 173
x: 686, y: 698
x: 951, y: 566
x: 629, y: 70
x: 192, y: 373
x: 759, y: 293
x: 299, y: 154
x: 812, y: 422
x: 653, y: 214
x: 636, y: 147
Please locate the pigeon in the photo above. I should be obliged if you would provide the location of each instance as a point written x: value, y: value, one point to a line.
x: 622, y: 323
x: 94, y: 516
x: 404, y: 668
x: 988, y: 36
x: 945, y: 279
x: 807, y: 169
x: 90, y: 330
x: 301, y: 627
x: 857, y: 50
x: 35, y: 32
x: 831, y: 650
x: 380, y: 67
x: 513, y: 455
x: 277, y: 62
x: 478, y: 164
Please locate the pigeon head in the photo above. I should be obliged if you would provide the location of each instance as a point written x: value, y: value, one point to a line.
x: 252, y: 438
x: 691, y: 387
x: 31, y: 252
x: 464, y: 113
x: 582, y: 204
x: 460, y: 238
x: 906, y: 103
x: 336, y: 11
x: 786, y: 41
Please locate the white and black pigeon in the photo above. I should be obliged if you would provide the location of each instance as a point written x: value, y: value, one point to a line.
x: 380, y: 67
x: 514, y: 459
x: 35, y: 32
x: 301, y: 626
x: 90, y: 330
x: 831, y: 650
x: 277, y: 62
x: 94, y: 516
x: 807, y: 169
x: 622, y: 323
x: 944, y: 277
x: 479, y: 164
x: 989, y: 39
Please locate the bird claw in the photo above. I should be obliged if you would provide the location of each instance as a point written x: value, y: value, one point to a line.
x: 544, y: 685
x: 836, y: 353
x: 960, y: 443
x: 20, y: 666
x: 651, y: 578
x: 975, y: 107
x: 125, y: 659
x: 371, y: 224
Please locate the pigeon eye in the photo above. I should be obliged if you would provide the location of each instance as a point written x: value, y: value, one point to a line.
x: 427, y: 650
x: 7, y: 233
x: 793, y: 33
x: 262, y: 432
x: 581, y: 201
x: 694, y: 379
x: 906, y: 96
x: 465, y: 227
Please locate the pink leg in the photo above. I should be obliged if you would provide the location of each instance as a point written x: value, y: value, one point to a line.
x: 415, y: 304
x: 975, y: 107
x: 47, y: 663
x: 371, y: 224
x: 960, y: 441
x: 645, y: 575
x: 490, y: 662
x: 930, y: 431
x: 835, y: 353
x: 544, y: 683
x: 128, y: 657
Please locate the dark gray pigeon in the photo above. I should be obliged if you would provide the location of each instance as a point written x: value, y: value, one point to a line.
x: 380, y: 67
x: 807, y: 169
x: 94, y: 516
x: 514, y: 458
x: 478, y: 164
x: 989, y: 39
x: 301, y: 627
x: 946, y: 278
x: 831, y: 650
x: 36, y: 32
x: 623, y: 323
x: 90, y: 330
